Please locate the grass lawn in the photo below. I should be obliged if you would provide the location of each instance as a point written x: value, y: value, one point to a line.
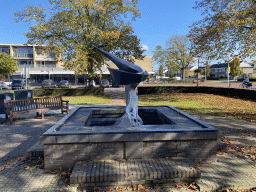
x: 205, y: 104
x: 88, y: 99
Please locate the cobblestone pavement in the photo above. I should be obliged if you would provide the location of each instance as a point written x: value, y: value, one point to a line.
x: 231, y: 170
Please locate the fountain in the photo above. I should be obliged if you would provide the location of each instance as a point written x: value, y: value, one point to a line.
x: 132, y: 132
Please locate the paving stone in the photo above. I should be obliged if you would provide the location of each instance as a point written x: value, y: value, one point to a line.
x: 131, y: 172
x: 16, y: 141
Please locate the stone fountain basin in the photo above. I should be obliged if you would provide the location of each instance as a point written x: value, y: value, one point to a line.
x: 93, y: 133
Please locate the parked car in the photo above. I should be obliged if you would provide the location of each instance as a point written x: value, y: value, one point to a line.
x: 18, y: 84
x: 114, y: 84
x: 3, y: 85
x: 48, y: 84
x: 104, y: 83
x: 64, y: 84
x: 110, y: 81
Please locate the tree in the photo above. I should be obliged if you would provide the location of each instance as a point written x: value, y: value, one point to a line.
x: 227, y: 26
x: 75, y: 24
x: 197, y: 71
x: 176, y: 56
x: 8, y: 65
x: 161, y: 70
x: 206, y: 69
x: 235, y: 67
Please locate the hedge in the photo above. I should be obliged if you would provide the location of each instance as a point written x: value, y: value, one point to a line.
x: 67, y: 92
x: 247, y: 94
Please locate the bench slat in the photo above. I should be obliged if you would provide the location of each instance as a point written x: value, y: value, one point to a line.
x: 14, y: 107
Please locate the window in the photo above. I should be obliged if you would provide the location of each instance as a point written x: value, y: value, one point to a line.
x: 26, y: 63
x: 5, y: 50
x: 23, y: 52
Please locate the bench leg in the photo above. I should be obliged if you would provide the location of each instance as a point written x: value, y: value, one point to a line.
x: 11, y: 117
x: 42, y: 115
x: 37, y: 114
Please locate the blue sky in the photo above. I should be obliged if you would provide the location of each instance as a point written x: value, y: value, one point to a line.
x: 160, y: 19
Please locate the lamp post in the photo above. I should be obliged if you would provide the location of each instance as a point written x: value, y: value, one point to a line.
x: 198, y: 72
x: 205, y: 73
x: 228, y: 71
x: 26, y: 76
x: 26, y: 72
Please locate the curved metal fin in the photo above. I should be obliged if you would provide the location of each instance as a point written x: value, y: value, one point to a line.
x: 121, y: 63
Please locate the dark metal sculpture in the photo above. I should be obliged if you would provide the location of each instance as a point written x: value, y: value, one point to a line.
x: 127, y: 72
x: 130, y: 75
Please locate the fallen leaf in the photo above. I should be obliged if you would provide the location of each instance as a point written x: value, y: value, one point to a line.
x: 26, y: 167
x: 156, y: 186
x: 129, y: 188
x: 109, y: 189
x: 177, y: 186
x: 193, y: 186
x: 94, y: 188
x: 192, y: 168
x: 118, y: 189
x: 179, y: 166
x: 141, y: 187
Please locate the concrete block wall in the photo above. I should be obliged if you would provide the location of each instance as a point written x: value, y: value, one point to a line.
x: 66, y: 155
x: 196, y: 150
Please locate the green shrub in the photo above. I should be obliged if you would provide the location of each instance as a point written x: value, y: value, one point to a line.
x: 186, y: 81
x: 171, y: 80
x: 174, y: 80
x: 67, y: 92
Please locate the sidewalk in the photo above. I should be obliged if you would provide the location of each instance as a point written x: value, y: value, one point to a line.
x: 231, y: 170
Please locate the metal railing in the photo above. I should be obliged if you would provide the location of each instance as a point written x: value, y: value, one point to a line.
x: 22, y: 55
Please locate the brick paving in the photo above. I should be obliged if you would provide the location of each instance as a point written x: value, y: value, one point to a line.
x: 122, y: 172
x: 230, y: 170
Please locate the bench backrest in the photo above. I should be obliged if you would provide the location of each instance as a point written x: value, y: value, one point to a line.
x: 35, y: 103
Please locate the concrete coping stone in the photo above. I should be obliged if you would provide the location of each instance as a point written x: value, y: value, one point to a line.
x: 185, y: 127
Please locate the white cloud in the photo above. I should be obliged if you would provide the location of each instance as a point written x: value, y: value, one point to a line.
x: 145, y: 47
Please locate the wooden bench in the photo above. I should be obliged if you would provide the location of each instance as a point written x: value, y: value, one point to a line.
x: 38, y: 105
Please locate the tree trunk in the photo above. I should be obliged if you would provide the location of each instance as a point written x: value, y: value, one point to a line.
x: 91, y: 84
x: 183, y: 73
x: 90, y: 73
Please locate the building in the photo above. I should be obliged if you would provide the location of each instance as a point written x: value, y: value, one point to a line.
x: 220, y: 70
x: 30, y: 56
x: 39, y: 66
